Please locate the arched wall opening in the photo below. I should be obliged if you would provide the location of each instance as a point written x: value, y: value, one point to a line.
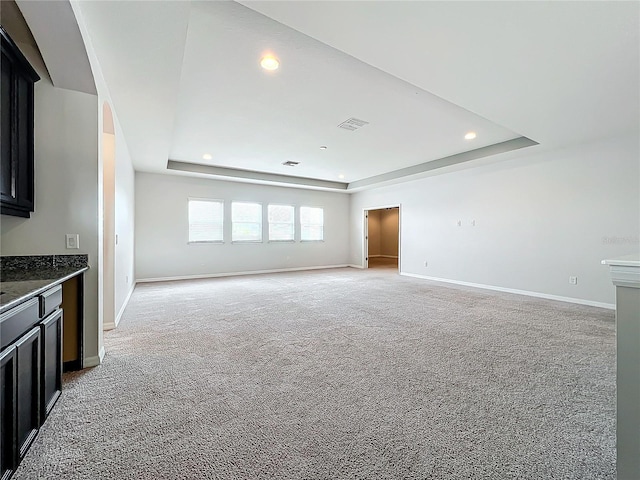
x: 108, y: 250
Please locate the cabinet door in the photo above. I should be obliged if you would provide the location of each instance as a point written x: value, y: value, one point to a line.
x: 51, y: 362
x: 8, y: 452
x: 8, y: 160
x: 28, y: 389
x: 16, y: 139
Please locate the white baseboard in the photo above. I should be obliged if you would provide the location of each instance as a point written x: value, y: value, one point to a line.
x: 234, y: 274
x: 112, y: 325
x: 353, y: 265
x: 95, y: 360
x: 528, y: 293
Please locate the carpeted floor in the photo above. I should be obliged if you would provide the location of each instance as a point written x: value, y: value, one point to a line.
x: 338, y: 374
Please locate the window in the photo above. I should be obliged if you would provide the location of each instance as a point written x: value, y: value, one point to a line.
x: 205, y: 220
x: 311, y: 223
x: 281, y: 225
x: 246, y: 220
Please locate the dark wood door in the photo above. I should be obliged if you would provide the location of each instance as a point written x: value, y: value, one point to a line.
x: 28, y: 368
x: 8, y: 447
x: 51, y: 332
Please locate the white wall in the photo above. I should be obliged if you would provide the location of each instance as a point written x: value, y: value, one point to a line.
x: 162, y: 250
x: 540, y: 217
x: 124, y: 201
x: 66, y: 184
x: 125, y: 227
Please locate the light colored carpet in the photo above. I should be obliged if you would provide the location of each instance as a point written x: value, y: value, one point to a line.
x: 338, y: 374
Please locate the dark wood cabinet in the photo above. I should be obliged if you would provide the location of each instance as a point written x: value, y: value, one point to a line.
x: 31, y: 360
x: 28, y: 370
x: 8, y: 452
x: 16, y: 131
x: 51, y: 333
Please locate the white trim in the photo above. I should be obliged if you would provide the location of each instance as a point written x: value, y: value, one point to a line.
x: 95, y: 360
x: 353, y: 265
x: 625, y: 275
x: 110, y: 325
x: 528, y: 293
x: 233, y: 274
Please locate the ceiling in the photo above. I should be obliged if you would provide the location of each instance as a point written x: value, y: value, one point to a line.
x: 185, y: 81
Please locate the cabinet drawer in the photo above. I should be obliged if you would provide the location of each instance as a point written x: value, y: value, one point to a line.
x: 17, y: 321
x: 50, y: 300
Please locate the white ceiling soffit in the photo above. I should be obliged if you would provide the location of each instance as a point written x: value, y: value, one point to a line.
x: 558, y: 72
x: 61, y: 47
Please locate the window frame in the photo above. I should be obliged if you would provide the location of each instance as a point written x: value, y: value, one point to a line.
x: 261, y: 240
x: 293, y: 223
x: 301, y: 224
x: 204, y: 242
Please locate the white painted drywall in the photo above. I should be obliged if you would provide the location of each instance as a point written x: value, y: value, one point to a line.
x: 540, y: 217
x: 124, y: 202
x: 66, y: 185
x: 162, y: 250
x: 125, y: 227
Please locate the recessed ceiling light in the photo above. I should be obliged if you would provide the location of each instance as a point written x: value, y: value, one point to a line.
x: 269, y: 62
x: 207, y: 156
x: 341, y: 176
x: 323, y: 147
x: 470, y: 136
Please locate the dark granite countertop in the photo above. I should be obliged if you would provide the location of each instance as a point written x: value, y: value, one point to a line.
x: 22, y: 278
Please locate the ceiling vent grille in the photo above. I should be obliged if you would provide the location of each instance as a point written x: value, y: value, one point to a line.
x: 352, y: 124
x: 290, y: 163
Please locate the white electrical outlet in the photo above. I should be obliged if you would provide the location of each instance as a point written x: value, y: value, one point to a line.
x: 72, y: 240
x: 573, y: 280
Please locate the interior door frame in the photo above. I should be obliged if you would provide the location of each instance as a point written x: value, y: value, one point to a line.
x: 365, y: 235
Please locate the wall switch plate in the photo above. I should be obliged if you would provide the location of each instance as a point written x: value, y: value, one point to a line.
x: 573, y: 280
x: 73, y: 240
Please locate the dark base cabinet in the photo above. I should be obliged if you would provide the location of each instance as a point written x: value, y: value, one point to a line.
x: 28, y: 369
x: 8, y: 412
x: 51, y: 333
x: 31, y: 373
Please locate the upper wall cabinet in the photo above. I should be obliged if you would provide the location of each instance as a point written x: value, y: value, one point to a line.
x: 16, y: 125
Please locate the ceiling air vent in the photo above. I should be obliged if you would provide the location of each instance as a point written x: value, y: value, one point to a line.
x: 352, y: 124
x: 290, y: 163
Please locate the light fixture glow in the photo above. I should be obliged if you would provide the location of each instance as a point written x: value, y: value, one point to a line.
x: 269, y: 62
x: 207, y: 156
x: 323, y: 147
x: 341, y: 176
x: 470, y: 136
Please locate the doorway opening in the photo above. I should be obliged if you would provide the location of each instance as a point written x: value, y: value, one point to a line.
x: 108, y: 249
x: 382, y: 237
